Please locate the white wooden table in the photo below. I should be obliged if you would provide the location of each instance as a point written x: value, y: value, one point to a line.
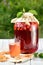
x: 4, y: 46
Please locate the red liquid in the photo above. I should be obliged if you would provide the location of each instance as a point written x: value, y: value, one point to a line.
x: 29, y: 39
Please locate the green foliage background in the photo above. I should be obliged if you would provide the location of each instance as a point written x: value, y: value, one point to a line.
x: 9, y: 9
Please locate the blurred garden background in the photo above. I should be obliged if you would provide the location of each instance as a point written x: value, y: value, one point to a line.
x: 9, y: 10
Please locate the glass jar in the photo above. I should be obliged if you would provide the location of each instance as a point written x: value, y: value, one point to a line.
x: 28, y: 36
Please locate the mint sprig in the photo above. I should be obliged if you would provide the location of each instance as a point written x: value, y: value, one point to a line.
x: 40, y: 55
x: 19, y: 14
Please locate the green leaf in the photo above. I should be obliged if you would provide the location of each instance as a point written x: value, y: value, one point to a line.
x: 23, y: 10
x: 19, y: 14
x: 35, y: 54
x: 34, y: 12
x: 41, y: 55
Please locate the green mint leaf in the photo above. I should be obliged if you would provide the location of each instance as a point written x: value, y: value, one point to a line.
x: 41, y: 55
x: 19, y: 14
x: 35, y: 54
x: 34, y: 12
x: 23, y: 10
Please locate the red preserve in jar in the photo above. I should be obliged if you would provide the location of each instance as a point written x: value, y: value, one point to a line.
x: 28, y: 35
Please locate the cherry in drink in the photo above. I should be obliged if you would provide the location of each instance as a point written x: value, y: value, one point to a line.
x: 28, y: 36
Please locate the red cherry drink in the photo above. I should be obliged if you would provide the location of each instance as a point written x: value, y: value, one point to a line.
x: 28, y: 36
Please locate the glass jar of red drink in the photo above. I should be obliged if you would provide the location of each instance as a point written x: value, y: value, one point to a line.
x: 28, y: 36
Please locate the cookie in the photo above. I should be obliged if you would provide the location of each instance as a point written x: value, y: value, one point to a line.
x: 3, y: 58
